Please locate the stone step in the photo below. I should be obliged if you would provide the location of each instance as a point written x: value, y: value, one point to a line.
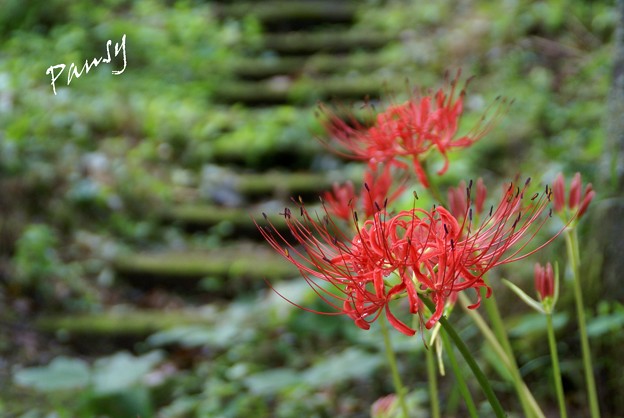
x: 307, y: 43
x: 233, y: 221
x: 118, y: 323
x: 225, y: 272
x: 292, y: 15
x: 226, y: 187
x: 300, y: 92
x: 271, y: 66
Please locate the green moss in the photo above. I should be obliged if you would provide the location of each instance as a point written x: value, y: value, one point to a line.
x: 208, y: 215
x: 243, y: 261
x: 300, y: 92
x: 272, y: 12
x: 118, y: 323
x: 326, y: 41
x: 258, y: 68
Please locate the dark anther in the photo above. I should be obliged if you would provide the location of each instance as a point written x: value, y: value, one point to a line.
x: 550, y: 213
x: 415, y: 195
x: 470, y: 214
x: 535, y: 196
x: 517, y: 220
x: 470, y: 184
x: 286, y: 213
x: 327, y: 260
x: 491, y: 209
x: 377, y: 207
x: 355, y: 216
x: 266, y: 218
x: 528, y: 180
x: 452, y: 244
x: 386, y: 203
x: 445, y: 229
x: 366, y: 187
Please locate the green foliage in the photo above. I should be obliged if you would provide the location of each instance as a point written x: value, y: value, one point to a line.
x: 114, y: 386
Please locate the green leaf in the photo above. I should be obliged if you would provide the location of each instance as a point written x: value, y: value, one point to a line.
x: 61, y: 374
x: 601, y: 325
x: 122, y: 371
x: 525, y: 298
x: 536, y: 323
x: 352, y: 363
x: 272, y: 381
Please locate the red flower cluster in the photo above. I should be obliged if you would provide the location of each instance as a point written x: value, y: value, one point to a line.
x: 409, y: 130
x: 413, y: 253
x: 342, y: 200
x: 574, y: 200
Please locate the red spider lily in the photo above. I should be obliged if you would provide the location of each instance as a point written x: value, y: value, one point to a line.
x: 574, y: 200
x: 544, y: 281
x: 409, y: 130
x: 341, y: 201
x: 514, y: 223
x: 356, y: 269
x: 412, y: 253
x: 463, y: 255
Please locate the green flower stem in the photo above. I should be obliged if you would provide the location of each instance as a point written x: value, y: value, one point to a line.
x: 512, y: 367
x: 432, y: 377
x: 396, y: 378
x: 497, y: 324
x: 555, y: 362
x: 498, y: 327
x: 465, y: 352
x: 459, y: 377
x: 572, y: 246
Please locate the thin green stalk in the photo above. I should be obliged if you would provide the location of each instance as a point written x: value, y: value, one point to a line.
x: 555, y: 362
x: 497, y: 324
x: 465, y: 352
x: 511, y: 366
x: 572, y: 246
x: 459, y: 377
x: 501, y: 336
x: 432, y: 376
x: 396, y: 378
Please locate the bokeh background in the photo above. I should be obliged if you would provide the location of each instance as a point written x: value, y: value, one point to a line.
x: 132, y: 276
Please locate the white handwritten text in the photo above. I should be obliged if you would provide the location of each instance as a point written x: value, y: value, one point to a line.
x: 73, y: 68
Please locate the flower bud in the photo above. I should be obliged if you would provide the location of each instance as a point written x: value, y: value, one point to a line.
x: 559, y: 193
x: 575, y: 191
x: 544, y: 281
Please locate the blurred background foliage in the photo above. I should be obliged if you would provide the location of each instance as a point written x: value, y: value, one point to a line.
x: 213, y: 120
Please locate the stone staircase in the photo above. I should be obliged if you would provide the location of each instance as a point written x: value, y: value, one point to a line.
x: 310, y: 52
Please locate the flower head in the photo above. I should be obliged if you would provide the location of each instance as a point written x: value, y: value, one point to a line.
x: 408, y: 131
x: 578, y: 201
x: 410, y: 254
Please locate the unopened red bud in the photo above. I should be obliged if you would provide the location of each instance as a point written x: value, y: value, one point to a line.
x: 589, y: 195
x: 544, y: 281
x: 575, y: 191
x: 558, y: 192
